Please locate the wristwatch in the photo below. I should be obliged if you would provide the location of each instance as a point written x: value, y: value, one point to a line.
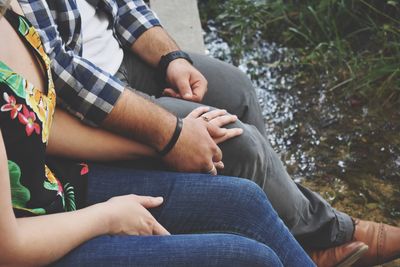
x: 168, y: 58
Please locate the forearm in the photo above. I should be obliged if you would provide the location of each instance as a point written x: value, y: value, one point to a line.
x: 153, y: 44
x: 41, y: 240
x: 140, y: 119
x: 73, y: 139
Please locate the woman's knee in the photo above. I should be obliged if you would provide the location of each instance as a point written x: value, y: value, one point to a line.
x: 240, y: 251
x: 226, y: 250
x: 246, y: 196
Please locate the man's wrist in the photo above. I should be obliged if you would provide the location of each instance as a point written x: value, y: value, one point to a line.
x: 174, y: 138
x: 166, y: 59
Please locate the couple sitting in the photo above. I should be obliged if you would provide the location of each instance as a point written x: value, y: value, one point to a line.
x: 214, y: 220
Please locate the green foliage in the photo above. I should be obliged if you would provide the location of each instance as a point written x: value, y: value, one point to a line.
x: 356, y: 41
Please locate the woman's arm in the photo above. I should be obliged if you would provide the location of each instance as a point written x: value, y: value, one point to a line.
x: 41, y: 239
x: 37, y: 241
x: 73, y: 139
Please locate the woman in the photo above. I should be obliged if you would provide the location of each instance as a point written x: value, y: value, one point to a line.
x: 223, y: 222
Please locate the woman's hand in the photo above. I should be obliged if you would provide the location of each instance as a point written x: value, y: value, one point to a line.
x: 217, y: 119
x: 128, y: 215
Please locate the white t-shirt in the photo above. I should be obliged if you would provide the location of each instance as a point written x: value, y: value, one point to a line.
x: 99, y: 45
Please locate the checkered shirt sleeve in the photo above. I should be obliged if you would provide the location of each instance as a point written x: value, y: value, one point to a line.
x: 82, y: 88
x: 134, y: 18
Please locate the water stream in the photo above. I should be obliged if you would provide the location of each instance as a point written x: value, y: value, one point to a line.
x: 338, y: 146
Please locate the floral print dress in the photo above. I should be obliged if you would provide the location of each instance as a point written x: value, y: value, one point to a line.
x: 25, y: 119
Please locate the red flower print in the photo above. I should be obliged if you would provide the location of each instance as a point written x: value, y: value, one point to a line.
x: 28, y: 118
x: 11, y: 105
x: 85, y: 168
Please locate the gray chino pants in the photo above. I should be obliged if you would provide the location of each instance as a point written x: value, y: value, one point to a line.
x: 309, y: 217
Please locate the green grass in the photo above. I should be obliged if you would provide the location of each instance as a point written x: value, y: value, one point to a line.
x: 356, y: 41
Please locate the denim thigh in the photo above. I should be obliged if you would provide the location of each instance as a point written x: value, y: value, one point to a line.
x: 222, y: 250
x: 200, y: 203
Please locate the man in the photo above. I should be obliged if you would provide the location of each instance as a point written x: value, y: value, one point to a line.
x: 84, y: 40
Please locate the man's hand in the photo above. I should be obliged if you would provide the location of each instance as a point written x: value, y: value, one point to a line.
x: 185, y: 80
x: 196, y: 149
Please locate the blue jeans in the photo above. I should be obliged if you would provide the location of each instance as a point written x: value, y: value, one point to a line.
x: 214, y: 221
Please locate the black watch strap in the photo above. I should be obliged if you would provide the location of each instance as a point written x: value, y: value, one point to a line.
x: 168, y: 58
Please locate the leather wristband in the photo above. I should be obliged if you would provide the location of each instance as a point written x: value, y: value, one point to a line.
x: 174, y: 138
x: 168, y: 58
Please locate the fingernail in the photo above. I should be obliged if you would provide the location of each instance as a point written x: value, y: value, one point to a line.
x: 159, y: 199
x: 188, y: 95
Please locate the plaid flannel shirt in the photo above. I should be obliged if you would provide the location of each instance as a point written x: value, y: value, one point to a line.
x: 82, y: 88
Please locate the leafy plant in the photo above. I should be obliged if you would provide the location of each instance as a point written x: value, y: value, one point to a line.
x: 356, y: 41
